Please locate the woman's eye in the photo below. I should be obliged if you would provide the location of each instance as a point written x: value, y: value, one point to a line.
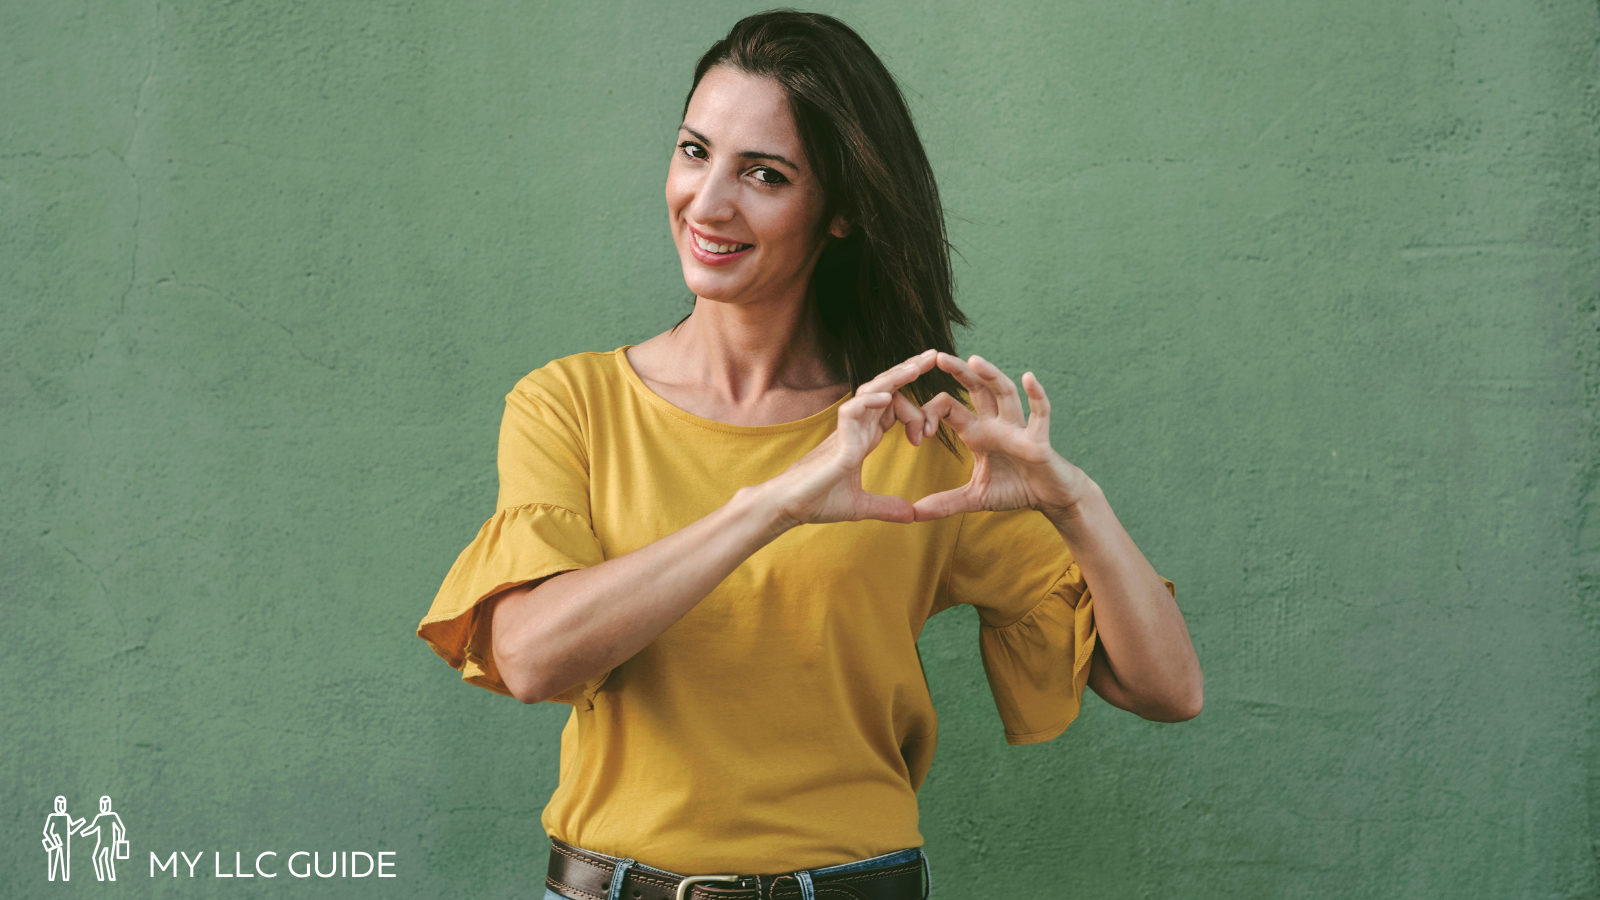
x: 692, y: 150
x: 769, y: 176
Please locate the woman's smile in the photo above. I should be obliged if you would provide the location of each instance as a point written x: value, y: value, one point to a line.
x: 716, y: 251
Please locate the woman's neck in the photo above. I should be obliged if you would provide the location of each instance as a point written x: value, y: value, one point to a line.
x: 742, y: 353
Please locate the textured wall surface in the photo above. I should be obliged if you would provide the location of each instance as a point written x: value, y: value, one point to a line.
x: 1314, y: 290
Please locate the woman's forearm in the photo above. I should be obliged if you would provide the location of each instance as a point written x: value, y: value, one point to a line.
x: 579, y: 624
x: 575, y: 625
x: 1141, y: 631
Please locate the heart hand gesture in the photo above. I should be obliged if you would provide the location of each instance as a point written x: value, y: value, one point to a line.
x: 1014, y: 466
x: 825, y: 484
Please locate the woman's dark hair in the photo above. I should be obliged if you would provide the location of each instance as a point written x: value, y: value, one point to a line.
x: 884, y: 292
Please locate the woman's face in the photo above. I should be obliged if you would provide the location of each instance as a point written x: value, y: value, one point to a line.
x: 744, y: 206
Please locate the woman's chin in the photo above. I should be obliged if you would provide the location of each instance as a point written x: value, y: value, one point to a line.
x: 706, y: 288
x: 714, y: 296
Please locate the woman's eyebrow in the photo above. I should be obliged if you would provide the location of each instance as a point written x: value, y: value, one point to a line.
x: 748, y: 154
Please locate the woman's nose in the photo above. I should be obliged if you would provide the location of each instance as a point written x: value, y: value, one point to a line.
x: 713, y: 199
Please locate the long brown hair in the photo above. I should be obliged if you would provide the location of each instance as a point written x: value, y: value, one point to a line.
x: 883, y: 293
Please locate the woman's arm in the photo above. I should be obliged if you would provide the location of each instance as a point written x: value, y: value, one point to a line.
x: 566, y: 629
x: 549, y: 635
x: 1144, y: 661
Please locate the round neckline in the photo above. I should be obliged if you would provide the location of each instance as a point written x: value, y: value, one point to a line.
x: 666, y: 406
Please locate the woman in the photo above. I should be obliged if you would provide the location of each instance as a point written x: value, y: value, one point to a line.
x: 721, y: 556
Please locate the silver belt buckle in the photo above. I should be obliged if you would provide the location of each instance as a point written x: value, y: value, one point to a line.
x: 690, y: 881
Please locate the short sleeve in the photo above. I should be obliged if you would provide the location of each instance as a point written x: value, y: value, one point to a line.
x: 541, y: 528
x: 1036, y: 631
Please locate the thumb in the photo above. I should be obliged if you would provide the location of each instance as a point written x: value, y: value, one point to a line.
x: 885, y: 508
x: 944, y: 503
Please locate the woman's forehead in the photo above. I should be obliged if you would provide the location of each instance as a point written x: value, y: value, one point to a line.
x: 743, y: 111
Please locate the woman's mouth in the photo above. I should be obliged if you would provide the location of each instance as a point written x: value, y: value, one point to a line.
x: 714, y: 252
x: 709, y: 247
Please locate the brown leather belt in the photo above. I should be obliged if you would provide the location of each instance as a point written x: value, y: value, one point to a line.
x: 578, y: 873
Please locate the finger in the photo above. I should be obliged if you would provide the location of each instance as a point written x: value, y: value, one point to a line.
x: 982, y: 400
x: 913, y: 417
x: 944, y: 503
x: 885, y: 507
x: 1038, y: 406
x: 1004, y: 390
x: 869, y: 407
x: 862, y: 424
x: 897, y: 377
x: 869, y: 400
x: 944, y: 407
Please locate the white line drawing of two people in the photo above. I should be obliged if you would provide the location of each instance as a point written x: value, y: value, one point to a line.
x: 60, y: 826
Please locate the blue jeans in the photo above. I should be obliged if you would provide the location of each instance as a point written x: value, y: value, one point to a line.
x: 804, y: 876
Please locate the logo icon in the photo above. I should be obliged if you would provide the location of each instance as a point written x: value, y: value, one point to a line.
x: 110, y: 840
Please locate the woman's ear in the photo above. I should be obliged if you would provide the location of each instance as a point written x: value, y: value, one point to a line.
x: 840, y: 226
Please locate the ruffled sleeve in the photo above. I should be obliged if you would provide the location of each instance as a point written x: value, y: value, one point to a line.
x: 542, y: 528
x: 1036, y: 631
x: 517, y: 545
x: 1038, y: 664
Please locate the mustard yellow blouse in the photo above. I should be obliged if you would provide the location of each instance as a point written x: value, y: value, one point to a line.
x: 784, y: 722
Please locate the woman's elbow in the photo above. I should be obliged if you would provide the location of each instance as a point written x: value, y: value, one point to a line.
x: 1179, y: 708
x: 526, y: 680
x: 1189, y: 708
x: 1175, y: 703
x: 536, y: 691
x: 519, y: 653
x: 524, y: 690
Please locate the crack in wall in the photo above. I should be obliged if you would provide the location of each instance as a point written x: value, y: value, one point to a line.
x: 294, y: 341
x: 133, y: 172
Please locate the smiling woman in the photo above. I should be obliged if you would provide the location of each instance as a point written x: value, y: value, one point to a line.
x: 746, y: 212
x: 749, y: 709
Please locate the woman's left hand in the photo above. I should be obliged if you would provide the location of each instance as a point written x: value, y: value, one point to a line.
x: 1014, y: 466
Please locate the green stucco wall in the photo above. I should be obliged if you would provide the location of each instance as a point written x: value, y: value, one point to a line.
x: 1314, y: 289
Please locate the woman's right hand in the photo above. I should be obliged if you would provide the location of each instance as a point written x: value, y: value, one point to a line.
x: 825, y: 484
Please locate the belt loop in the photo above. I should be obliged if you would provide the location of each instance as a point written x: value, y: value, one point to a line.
x: 927, y: 876
x: 616, y: 878
x: 807, y: 891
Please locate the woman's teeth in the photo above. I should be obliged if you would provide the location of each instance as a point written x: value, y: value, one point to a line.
x: 718, y: 248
